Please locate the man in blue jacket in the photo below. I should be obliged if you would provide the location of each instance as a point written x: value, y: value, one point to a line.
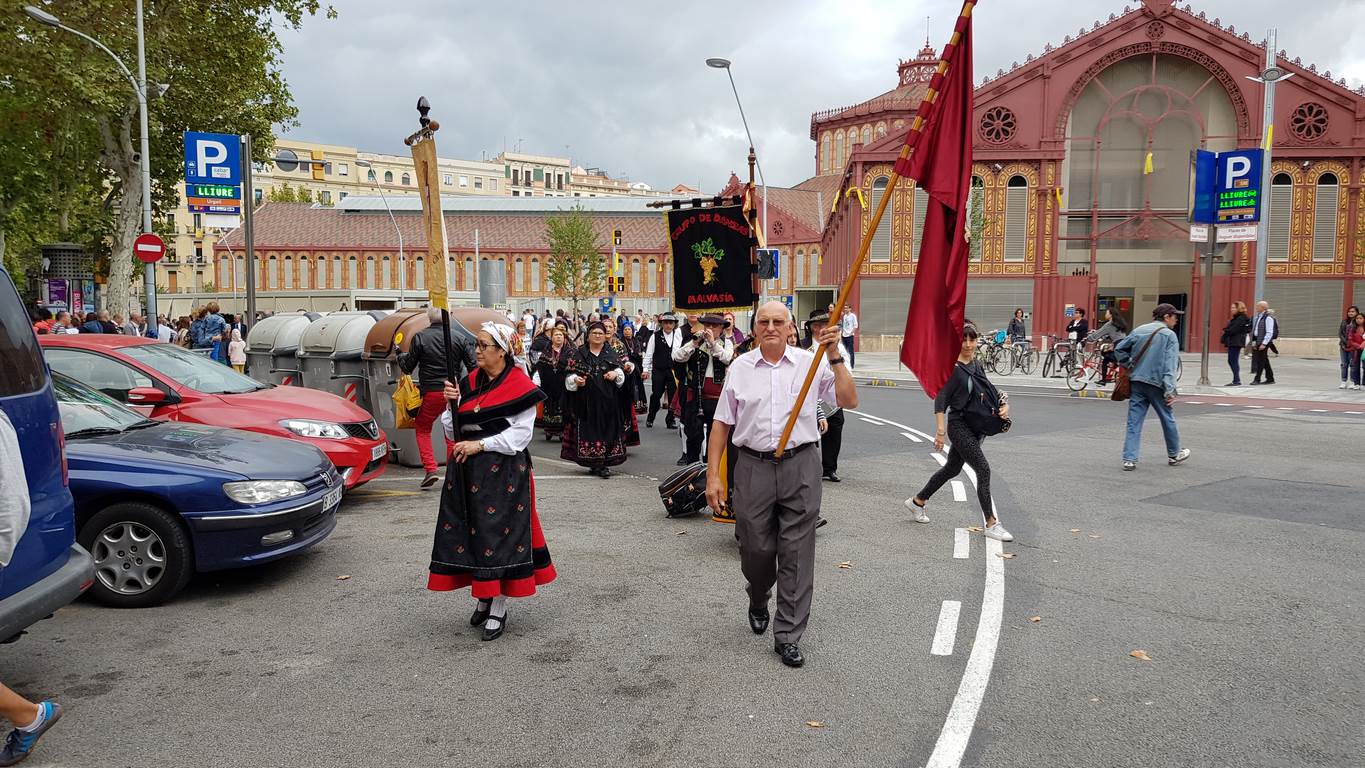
x: 1151, y: 353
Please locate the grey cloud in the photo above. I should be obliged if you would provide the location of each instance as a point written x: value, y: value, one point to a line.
x: 624, y: 86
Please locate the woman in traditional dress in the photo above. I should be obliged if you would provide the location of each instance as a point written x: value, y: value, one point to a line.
x: 629, y: 420
x: 550, y: 370
x: 594, y: 432
x: 635, y: 384
x: 488, y: 536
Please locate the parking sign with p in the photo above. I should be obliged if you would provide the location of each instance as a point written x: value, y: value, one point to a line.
x: 212, y: 158
x: 1239, y: 186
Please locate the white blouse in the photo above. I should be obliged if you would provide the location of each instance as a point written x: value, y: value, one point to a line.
x: 511, y: 441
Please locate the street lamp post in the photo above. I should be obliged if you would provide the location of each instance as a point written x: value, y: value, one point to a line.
x: 719, y: 63
x: 145, y: 161
x: 402, y: 262
x: 1268, y: 77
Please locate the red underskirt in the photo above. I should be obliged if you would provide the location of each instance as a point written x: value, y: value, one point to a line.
x: 487, y: 590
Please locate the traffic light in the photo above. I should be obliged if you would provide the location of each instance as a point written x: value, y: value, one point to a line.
x: 616, y: 238
x: 616, y: 284
x: 317, y: 165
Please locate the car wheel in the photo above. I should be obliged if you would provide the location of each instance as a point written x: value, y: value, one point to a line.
x: 142, y: 555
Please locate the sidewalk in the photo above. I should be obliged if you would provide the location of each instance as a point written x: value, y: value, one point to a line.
x: 1296, y: 378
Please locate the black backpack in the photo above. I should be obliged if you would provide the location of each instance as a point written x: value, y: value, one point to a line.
x: 684, y: 492
x: 982, y: 413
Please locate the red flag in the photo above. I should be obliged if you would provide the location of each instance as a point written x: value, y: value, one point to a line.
x: 941, y: 164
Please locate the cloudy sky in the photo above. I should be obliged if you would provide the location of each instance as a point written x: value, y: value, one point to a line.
x: 623, y: 85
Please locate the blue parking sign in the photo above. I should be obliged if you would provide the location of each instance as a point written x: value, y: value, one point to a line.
x: 213, y: 158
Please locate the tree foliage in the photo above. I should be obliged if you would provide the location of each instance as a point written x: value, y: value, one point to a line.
x: 577, y: 268
x: 69, y: 122
x: 287, y: 194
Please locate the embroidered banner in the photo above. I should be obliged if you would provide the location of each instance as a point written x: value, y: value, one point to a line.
x: 712, y: 263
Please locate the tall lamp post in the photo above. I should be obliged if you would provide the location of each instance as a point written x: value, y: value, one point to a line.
x: 1271, y: 75
x: 719, y: 63
x: 145, y: 161
x: 402, y: 262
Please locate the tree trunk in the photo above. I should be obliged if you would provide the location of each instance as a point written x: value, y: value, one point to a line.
x: 121, y: 159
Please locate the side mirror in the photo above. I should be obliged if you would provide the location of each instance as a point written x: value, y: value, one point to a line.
x: 146, y: 396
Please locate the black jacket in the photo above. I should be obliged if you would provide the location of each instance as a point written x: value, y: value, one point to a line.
x: 1343, y: 333
x: 1235, y: 332
x: 427, y: 355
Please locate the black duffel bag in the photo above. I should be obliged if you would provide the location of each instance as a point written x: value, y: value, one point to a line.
x: 684, y: 492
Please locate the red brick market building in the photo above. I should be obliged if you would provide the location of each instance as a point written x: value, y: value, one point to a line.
x: 1071, y: 213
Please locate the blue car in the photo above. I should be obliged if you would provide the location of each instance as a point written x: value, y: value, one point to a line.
x: 157, y: 501
x: 47, y: 569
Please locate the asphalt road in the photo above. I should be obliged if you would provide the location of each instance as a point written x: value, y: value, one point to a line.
x: 1237, y: 573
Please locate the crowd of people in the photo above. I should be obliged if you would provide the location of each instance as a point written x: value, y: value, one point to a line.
x: 208, y: 328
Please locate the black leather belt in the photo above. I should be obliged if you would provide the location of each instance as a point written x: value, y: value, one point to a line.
x: 773, y: 456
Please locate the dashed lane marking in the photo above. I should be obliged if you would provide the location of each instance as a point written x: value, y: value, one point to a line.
x: 873, y: 423
x: 1285, y: 409
x: 959, y: 491
x: 962, y: 544
x: 1317, y: 410
x: 945, y: 636
x: 1254, y: 407
x: 940, y: 458
x: 911, y: 437
x: 1223, y: 405
x: 1194, y: 402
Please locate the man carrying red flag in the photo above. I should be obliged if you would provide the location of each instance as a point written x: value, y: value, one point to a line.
x: 941, y: 165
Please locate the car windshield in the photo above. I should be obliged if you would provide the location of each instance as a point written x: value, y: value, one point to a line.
x: 192, y: 370
x: 85, y: 411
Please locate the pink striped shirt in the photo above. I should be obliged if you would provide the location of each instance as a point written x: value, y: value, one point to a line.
x: 758, y: 397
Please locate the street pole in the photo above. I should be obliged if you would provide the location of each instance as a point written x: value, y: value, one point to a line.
x: 402, y: 263
x: 248, y: 228
x: 1268, y: 78
x: 148, y: 274
x: 1208, y: 302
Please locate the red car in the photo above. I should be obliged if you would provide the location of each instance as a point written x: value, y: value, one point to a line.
x: 180, y: 385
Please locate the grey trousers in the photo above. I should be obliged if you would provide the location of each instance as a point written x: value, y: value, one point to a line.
x: 776, y: 506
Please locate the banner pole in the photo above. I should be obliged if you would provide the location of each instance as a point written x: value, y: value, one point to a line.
x: 910, y: 141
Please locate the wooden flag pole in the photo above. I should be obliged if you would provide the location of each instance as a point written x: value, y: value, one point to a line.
x: 911, y: 140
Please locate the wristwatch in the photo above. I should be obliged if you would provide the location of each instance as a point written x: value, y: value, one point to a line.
x: 836, y: 361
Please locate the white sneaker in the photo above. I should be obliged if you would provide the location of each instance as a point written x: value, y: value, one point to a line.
x: 916, y: 511
x: 998, y: 533
x: 1342, y: 385
x: 1180, y: 456
x: 1354, y: 386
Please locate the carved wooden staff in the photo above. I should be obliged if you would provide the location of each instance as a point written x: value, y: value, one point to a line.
x: 916, y: 130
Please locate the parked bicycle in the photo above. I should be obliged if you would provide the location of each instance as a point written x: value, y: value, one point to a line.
x: 1061, y: 357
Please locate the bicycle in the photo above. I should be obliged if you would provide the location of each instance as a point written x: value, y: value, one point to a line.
x: 1089, y: 369
x: 1061, y: 358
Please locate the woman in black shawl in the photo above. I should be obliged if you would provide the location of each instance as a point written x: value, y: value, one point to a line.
x: 594, y: 432
x: 549, y: 368
x: 629, y: 421
x: 488, y: 535
x: 635, y: 384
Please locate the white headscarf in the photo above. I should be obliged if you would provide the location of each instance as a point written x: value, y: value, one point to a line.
x: 506, y: 337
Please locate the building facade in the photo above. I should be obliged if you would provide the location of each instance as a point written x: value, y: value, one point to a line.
x: 1081, y: 174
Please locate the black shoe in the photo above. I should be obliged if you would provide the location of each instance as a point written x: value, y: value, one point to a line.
x: 833, y: 478
x: 604, y: 472
x: 821, y: 522
x: 430, y: 479
x: 1233, y: 384
x: 682, y: 461
x: 1255, y: 382
x: 1270, y: 381
x: 758, y: 620
x: 480, y: 613
x: 791, y: 655
x: 494, y: 634
x: 670, y: 423
x: 649, y: 424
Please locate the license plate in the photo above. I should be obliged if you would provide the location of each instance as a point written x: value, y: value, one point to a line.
x: 332, y: 498
x: 378, y: 451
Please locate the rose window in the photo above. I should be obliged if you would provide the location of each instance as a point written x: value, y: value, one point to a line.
x: 997, y: 125
x: 1309, y: 121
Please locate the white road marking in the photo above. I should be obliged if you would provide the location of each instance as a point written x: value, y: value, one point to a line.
x: 940, y: 458
x: 959, y: 491
x: 1257, y: 407
x: 1317, y: 410
x: 1194, y: 402
x: 1353, y: 413
x: 911, y: 437
x: 562, y: 477
x: 946, y: 633
x: 961, y: 720
x: 1223, y: 405
x: 962, y: 544
x: 873, y: 423
x: 1284, y: 409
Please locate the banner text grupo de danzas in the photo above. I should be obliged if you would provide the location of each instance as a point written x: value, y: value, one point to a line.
x: 712, y: 265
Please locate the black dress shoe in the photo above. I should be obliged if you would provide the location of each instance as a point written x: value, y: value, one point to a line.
x: 791, y: 655
x: 494, y: 634
x: 671, y: 424
x: 430, y: 479
x: 833, y: 478
x: 480, y: 613
x: 821, y: 522
x: 649, y: 424
x: 758, y: 620
x: 604, y: 472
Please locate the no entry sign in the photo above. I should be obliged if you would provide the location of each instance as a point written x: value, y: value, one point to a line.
x: 149, y: 248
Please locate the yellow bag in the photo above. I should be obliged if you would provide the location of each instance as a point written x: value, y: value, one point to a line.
x: 407, y: 401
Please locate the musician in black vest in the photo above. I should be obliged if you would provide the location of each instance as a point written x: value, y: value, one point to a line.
x: 658, y: 365
x: 704, y: 359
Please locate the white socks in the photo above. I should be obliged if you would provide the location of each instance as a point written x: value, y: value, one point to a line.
x: 496, y: 612
x: 38, y: 721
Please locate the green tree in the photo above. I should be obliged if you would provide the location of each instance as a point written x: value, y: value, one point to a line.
x: 287, y: 194
x: 221, y: 61
x: 577, y: 268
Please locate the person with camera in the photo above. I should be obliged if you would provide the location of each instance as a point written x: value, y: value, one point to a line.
x: 959, y: 421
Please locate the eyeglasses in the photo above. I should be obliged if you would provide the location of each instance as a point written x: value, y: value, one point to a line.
x: 483, y: 345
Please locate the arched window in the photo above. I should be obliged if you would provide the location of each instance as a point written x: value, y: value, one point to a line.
x: 238, y: 272
x: 881, y: 239
x: 867, y: 135
x: 976, y: 219
x: 1281, y: 215
x: 305, y: 265
x: 288, y: 273
x: 224, y: 278
x: 407, y: 180
x: 517, y: 276
x: 652, y: 277
x: 535, y: 276
x: 804, y: 277
x: 1016, y: 218
x: 386, y: 274
x: 419, y: 274
x: 634, y: 277
x: 388, y: 177
x: 471, y: 276
x: 825, y: 158
x: 881, y: 129
x: 338, y: 277
x: 838, y: 151
x: 352, y: 273
x: 1325, y: 218
x: 917, y: 220
x: 272, y: 273
x: 369, y: 272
